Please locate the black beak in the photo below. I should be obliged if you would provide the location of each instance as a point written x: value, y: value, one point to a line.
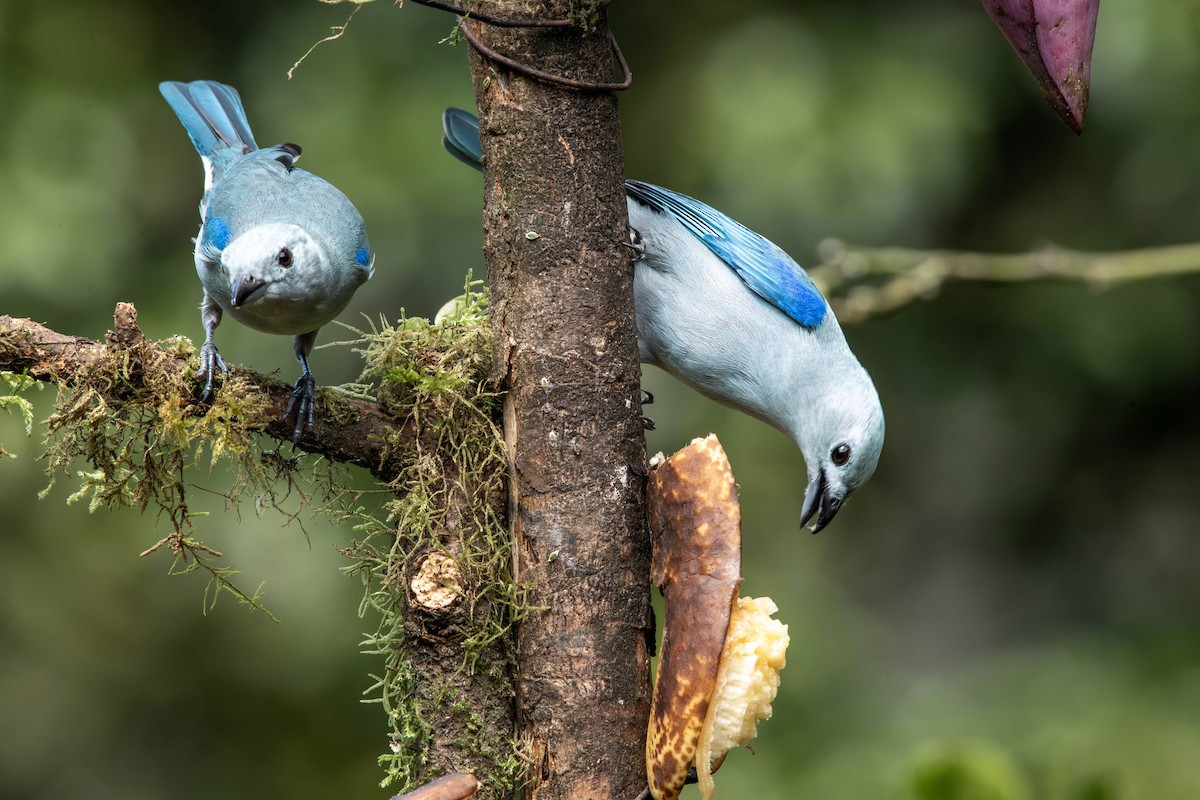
x: 819, y: 501
x: 244, y: 286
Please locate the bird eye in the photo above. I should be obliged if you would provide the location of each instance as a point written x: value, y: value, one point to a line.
x: 284, y: 257
x: 840, y: 455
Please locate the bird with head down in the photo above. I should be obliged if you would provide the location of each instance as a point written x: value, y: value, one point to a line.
x: 735, y: 317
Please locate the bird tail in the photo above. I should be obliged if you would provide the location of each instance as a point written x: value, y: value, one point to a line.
x: 212, y: 115
x: 460, y: 137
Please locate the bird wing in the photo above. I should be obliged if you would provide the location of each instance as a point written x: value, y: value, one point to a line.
x: 769, y: 272
x: 460, y: 137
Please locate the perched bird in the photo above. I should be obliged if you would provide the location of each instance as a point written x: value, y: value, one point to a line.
x: 732, y: 315
x: 279, y: 249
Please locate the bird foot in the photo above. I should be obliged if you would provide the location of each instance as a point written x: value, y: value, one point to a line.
x: 636, y: 244
x: 210, y: 363
x: 303, y: 403
x: 647, y: 399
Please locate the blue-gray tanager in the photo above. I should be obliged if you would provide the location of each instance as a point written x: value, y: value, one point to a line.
x: 733, y: 316
x: 279, y: 249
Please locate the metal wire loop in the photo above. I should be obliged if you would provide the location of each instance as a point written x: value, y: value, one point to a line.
x: 466, y: 15
x: 547, y: 77
x: 502, y: 22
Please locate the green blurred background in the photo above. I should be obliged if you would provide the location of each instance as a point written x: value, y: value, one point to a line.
x: 1013, y: 595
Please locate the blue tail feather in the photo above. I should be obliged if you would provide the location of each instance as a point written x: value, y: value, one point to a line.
x: 212, y: 114
x: 460, y: 137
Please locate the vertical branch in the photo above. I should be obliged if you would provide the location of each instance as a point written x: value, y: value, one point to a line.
x: 561, y: 294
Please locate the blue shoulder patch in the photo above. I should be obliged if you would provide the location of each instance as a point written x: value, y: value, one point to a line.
x: 363, y: 257
x: 769, y: 272
x: 216, y: 232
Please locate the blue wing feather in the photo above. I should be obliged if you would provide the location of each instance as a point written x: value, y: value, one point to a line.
x: 769, y: 272
x: 460, y: 137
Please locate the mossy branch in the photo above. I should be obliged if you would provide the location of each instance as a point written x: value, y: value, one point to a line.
x: 348, y: 430
x: 127, y: 407
x: 866, y: 282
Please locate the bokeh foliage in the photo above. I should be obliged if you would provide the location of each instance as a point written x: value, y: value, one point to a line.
x: 1014, y: 587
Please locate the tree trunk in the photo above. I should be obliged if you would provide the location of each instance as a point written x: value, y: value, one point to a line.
x: 562, y: 303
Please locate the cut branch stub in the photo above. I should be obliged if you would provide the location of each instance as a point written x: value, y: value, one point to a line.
x: 436, y: 584
x: 695, y: 525
x: 455, y: 786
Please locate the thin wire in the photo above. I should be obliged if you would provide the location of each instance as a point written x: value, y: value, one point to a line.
x: 546, y: 77
x: 464, y: 15
x: 501, y: 22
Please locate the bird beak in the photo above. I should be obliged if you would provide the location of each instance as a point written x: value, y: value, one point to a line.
x: 819, y: 501
x: 242, y: 287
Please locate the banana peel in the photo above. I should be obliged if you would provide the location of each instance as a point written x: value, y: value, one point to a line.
x: 720, y: 655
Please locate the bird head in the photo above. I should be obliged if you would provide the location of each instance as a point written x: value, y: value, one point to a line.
x: 265, y: 262
x: 841, y: 440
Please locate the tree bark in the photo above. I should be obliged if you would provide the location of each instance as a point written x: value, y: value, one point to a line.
x: 561, y: 278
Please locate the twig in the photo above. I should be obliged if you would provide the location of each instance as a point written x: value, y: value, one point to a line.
x: 338, y: 32
x: 866, y: 282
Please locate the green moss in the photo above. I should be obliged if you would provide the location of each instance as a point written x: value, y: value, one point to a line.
x: 128, y: 415
x: 435, y: 377
x: 585, y: 15
x: 13, y: 402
